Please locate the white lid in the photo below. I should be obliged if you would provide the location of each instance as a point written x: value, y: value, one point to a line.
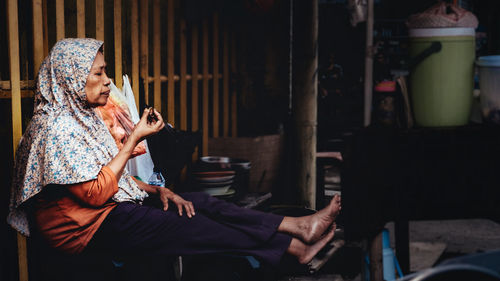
x: 440, y: 32
x: 489, y: 61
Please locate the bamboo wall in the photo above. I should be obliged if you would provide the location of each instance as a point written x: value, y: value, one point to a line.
x: 182, y: 68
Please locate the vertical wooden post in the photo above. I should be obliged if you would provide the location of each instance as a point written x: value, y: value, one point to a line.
x: 369, y: 65
x: 304, y: 101
x: 205, y: 88
x: 99, y: 20
x: 59, y: 19
x: 234, y: 100
x: 157, y: 54
x: 195, y: 126
x: 144, y: 59
x: 117, y: 26
x: 80, y: 18
x: 376, y: 266
x: 183, y: 73
x: 45, y: 29
x: 225, y: 82
x: 13, y: 33
x: 215, y: 80
x: 170, y: 62
x: 134, y: 38
x: 37, y: 35
x: 15, y: 83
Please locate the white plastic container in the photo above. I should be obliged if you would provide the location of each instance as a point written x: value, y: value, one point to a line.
x: 489, y: 85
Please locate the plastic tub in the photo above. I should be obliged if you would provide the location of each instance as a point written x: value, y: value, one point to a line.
x: 489, y: 84
x: 441, y: 85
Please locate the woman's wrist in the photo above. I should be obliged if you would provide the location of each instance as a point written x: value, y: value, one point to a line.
x: 134, y: 139
x: 157, y: 189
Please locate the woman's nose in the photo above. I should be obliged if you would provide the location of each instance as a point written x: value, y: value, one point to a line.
x: 107, y: 81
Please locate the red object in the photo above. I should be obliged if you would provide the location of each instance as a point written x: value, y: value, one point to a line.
x: 119, y: 124
x: 386, y: 86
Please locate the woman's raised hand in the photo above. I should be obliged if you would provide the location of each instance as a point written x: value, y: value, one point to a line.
x: 151, y: 123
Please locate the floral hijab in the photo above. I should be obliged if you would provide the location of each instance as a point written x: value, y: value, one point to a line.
x: 66, y: 142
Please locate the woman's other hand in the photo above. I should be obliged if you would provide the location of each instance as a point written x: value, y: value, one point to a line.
x: 167, y: 195
x: 149, y: 127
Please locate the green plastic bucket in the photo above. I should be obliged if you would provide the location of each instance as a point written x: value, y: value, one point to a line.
x: 441, y: 85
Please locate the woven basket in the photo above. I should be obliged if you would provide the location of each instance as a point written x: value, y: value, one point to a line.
x: 264, y: 153
x: 438, y: 16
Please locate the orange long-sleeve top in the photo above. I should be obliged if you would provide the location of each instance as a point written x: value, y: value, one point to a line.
x: 68, y: 216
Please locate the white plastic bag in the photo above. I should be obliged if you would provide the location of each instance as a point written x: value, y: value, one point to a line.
x: 142, y: 165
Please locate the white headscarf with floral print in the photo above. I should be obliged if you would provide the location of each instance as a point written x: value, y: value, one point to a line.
x: 66, y: 142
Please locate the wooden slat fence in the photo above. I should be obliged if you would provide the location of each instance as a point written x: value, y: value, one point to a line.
x: 166, y: 62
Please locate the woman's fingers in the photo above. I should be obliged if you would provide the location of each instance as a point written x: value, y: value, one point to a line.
x: 179, y: 208
x: 191, y: 208
x: 165, y: 203
x: 187, y: 206
x: 158, y: 124
x: 145, y: 113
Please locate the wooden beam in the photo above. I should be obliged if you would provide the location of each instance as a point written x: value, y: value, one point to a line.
x: 164, y: 78
x: 29, y: 84
x: 59, y: 19
x: 24, y: 94
x: 37, y: 35
x: 13, y: 35
x: 225, y: 82
x: 134, y: 38
x: 99, y: 20
x: 234, y: 100
x: 183, y: 74
x: 117, y: 26
x: 205, y: 101
x: 80, y: 18
x: 144, y: 59
x: 170, y: 61
x: 195, y: 126
x: 157, y: 55
x: 215, y: 83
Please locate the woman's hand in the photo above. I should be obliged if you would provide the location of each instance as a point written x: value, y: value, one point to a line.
x: 149, y: 127
x: 166, y: 195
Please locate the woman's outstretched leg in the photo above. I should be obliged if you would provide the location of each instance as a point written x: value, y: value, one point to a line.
x: 311, y: 228
x: 306, y: 252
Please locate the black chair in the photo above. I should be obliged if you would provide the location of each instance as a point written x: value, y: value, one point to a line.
x: 171, y: 150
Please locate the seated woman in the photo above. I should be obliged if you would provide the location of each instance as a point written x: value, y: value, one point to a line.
x: 70, y: 172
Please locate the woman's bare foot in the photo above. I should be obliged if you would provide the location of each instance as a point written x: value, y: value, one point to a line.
x: 311, y: 228
x: 304, y: 252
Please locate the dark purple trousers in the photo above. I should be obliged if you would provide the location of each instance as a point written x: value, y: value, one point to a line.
x: 217, y: 227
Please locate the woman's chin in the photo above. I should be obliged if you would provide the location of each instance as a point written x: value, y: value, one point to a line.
x: 100, y: 102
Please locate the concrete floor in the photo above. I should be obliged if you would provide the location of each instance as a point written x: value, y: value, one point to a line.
x: 459, y: 237
x: 431, y: 242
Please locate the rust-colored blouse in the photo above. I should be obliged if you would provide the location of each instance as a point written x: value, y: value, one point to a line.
x: 68, y: 216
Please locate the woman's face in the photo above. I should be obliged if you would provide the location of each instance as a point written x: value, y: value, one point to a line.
x: 97, y: 85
